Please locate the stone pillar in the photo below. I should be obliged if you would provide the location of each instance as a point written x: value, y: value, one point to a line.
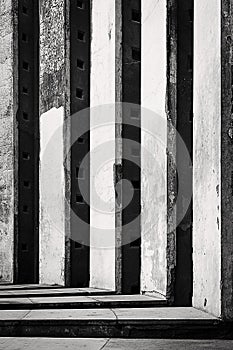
x: 54, y: 138
x: 102, y: 219
x: 8, y: 137
x: 153, y: 151
x: 213, y: 156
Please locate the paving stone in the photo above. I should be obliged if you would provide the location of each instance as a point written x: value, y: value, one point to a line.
x: 133, y: 298
x: 70, y: 299
x: 161, y: 344
x: 89, y: 301
x: 15, y: 301
x: 167, y: 313
x: 12, y: 314
x: 51, y: 344
x: 40, y: 292
x: 26, y: 286
x: 77, y: 314
x: 112, y: 344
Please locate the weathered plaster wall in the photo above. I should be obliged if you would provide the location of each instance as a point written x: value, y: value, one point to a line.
x: 52, y: 194
x: 206, y: 157
x: 52, y: 54
x: 7, y: 124
x: 102, y: 258
x: 153, y: 156
x: 54, y: 102
x: 227, y: 161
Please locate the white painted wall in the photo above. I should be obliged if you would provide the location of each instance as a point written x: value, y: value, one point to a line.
x: 52, y: 198
x: 102, y: 251
x: 153, y: 153
x: 206, y: 162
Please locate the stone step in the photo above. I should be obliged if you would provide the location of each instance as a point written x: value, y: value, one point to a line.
x: 81, y: 302
x: 167, y: 323
x: 4, y: 286
x: 51, y: 292
x: 113, y: 344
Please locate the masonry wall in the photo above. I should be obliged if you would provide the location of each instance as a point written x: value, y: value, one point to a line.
x: 52, y: 196
x: 102, y: 145
x: 8, y: 107
x: 206, y: 157
x: 53, y: 141
x: 153, y: 152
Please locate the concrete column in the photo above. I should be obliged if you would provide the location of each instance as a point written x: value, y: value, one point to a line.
x: 54, y: 106
x: 212, y: 185
x: 8, y: 137
x: 153, y: 152
x: 102, y: 145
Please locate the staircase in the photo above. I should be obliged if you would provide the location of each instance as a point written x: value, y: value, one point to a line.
x: 42, y: 311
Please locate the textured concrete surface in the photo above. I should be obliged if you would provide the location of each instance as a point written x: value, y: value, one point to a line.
x: 52, y: 54
x: 102, y: 158
x: 227, y: 161
x: 52, y: 198
x: 53, y: 108
x: 153, y: 152
x: 8, y: 107
x: 153, y: 314
x: 54, y: 93
x: 151, y: 323
x: 4, y: 286
x: 206, y: 157
x: 81, y: 302
x: 53, y: 292
x: 111, y: 344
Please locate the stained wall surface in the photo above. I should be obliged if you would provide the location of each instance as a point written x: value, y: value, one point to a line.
x: 102, y: 146
x: 153, y: 151
x: 52, y: 198
x: 53, y: 85
x: 206, y: 157
x: 8, y: 106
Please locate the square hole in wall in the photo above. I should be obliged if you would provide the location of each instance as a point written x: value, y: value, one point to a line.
x: 25, y: 116
x: 80, y: 4
x: 191, y: 116
x: 80, y: 174
x: 191, y: 15
x: 135, y: 243
x: 25, y: 10
x: 136, y: 16
x: 135, y: 152
x: 24, y: 247
x: 27, y: 184
x: 81, y: 140
x: 136, y: 54
x: 25, y: 65
x: 25, y: 37
x: 78, y: 245
x: 136, y: 184
x: 190, y: 63
x: 135, y: 113
x: 81, y: 35
x: 25, y: 90
x: 26, y: 156
x: 25, y: 209
x: 79, y: 93
x: 80, y: 64
x: 79, y: 199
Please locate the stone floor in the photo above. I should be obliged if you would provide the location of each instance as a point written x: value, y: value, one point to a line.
x: 16, y: 291
x: 95, y: 313
x: 111, y: 344
x: 82, y: 302
x: 168, y: 314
